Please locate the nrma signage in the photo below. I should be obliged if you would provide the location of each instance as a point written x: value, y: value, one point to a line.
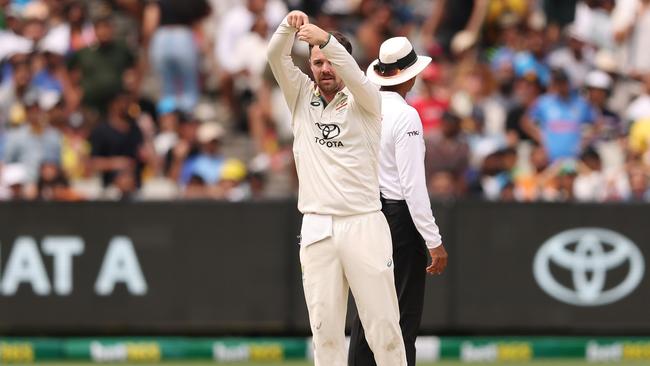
x: 24, y: 265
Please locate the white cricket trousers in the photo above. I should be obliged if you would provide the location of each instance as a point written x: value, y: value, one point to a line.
x: 358, y: 256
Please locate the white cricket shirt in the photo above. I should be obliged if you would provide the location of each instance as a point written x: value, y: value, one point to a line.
x: 336, y: 147
x: 401, y: 164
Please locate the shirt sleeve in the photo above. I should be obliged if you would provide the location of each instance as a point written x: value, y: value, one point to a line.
x: 535, y: 112
x: 589, y: 114
x: 11, y: 148
x: 365, y: 93
x: 96, y: 143
x: 409, y: 155
x: 289, y: 77
x: 56, y: 147
x: 73, y: 61
x: 129, y: 57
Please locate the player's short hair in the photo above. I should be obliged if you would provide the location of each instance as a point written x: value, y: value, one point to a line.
x: 343, y: 40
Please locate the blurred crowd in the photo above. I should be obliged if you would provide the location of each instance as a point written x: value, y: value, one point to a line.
x: 526, y: 100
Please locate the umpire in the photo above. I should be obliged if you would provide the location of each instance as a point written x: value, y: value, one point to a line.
x: 404, y: 196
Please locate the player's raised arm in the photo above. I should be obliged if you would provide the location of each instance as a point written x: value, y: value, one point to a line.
x: 365, y: 93
x: 289, y: 77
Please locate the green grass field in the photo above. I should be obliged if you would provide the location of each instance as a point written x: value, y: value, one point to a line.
x: 442, y: 363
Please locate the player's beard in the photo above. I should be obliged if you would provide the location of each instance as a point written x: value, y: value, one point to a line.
x: 330, y: 86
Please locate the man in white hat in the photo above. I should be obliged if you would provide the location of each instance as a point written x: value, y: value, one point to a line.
x: 345, y: 239
x: 404, y: 196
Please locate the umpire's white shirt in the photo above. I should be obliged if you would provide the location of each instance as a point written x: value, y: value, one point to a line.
x: 336, y: 147
x: 401, y: 164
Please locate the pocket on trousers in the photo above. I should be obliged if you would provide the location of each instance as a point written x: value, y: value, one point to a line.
x: 386, y: 242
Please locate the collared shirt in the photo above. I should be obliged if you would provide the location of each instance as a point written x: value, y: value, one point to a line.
x: 336, y: 147
x: 401, y: 164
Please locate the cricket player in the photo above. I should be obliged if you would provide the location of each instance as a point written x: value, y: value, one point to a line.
x: 404, y: 196
x: 345, y: 239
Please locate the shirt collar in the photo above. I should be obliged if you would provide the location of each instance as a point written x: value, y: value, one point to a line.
x: 392, y: 95
x: 345, y: 91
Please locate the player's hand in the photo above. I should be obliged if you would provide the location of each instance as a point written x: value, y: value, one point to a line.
x: 297, y: 19
x: 313, y: 35
x: 438, y: 260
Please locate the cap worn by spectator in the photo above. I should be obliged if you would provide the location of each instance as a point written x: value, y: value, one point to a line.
x: 537, y: 21
x: 49, y: 99
x: 233, y: 170
x: 165, y: 106
x: 209, y: 132
x: 598, y: 80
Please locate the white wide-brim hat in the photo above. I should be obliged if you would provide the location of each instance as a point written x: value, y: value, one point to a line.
x: 397, y: 63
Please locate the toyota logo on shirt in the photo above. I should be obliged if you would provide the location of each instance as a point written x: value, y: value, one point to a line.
x: 329, y: 131
x: 589, y: 255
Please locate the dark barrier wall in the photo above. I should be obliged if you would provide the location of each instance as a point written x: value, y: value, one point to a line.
x: 219, y: 268
x: 207, y: 267
x: 495, y: 277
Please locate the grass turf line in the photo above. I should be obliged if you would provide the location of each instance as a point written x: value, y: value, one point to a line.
x: 303, y: 363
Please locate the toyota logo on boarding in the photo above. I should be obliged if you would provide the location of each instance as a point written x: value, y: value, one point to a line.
x: 329, y: 131
x: 597, y: 251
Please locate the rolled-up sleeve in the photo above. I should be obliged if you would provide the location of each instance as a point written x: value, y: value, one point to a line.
x: 409, y: 155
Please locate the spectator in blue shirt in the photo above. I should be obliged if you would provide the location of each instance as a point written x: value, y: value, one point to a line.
x: 33, y: 143
x: 557, y: 119
x: 46, y: 78
x: 209, y: 162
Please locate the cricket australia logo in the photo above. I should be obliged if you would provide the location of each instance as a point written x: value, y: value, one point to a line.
x: 329, y: 132
x: 590, y: 256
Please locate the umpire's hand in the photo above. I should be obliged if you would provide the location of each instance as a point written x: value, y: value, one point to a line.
x: 297, y: 19
x: 438, y: 260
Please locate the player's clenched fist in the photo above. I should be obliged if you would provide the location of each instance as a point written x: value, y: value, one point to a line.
x: 297, y: 19
x: 312, y: 34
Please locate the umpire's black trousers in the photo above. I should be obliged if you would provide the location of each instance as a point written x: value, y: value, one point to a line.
x: 410, y: 259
